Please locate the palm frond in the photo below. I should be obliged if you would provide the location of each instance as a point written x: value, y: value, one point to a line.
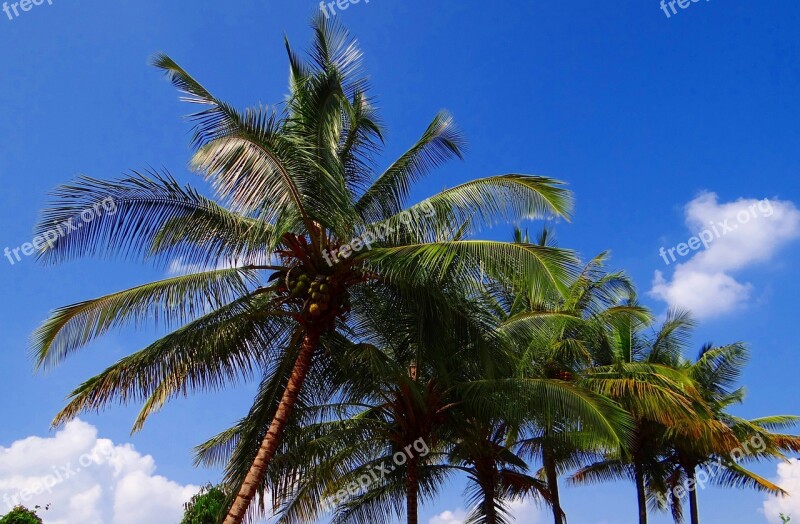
x: 170, y: 301
x: 217, y: 349
x: 386, y: 197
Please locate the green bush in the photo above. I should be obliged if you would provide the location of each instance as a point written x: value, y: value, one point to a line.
x: 21, y: 515
x: 206, y: 507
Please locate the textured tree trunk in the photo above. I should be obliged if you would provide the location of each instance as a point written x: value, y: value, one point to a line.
x: 693, y: 510
x: 552, y: 484
x: 412, y: 490
x: 258, y: 470
x: 640, y: 494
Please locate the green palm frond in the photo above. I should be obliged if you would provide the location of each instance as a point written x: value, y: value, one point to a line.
x: 219, y: 348
x: 654, y: 392
x: 387, y: 196
x: 128, y: 214
x: 718, y: 369
x: 670, y: 342
x: 481, y: 202
x: 171, y: 301
x: 543, y: 268
x: 735, y: 476
x: 549, y: 403
x: 246, y: 156
x: 208, y: 239
x: 602, y: 472
x: 775, y: 422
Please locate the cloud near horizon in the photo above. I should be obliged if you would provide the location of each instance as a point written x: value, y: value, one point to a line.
x: 789, y: 479
x: 738, y: 235
x: 521, y: 511
x: 88, y: 480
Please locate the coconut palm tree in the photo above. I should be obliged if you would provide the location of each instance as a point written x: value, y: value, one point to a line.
x: 561, y: 328
x: 496, y: 473
x: 393, y: 400
x: 298, y: 208
x: 730, y: 440
x: 638, y: 372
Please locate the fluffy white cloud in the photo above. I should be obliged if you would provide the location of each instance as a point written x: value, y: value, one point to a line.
x: 88, y: 480
x: 789, y: 480
x: 727, y: 237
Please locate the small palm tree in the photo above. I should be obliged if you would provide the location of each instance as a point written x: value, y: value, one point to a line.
x: 725, y: 440
x: 496, y: 473
x: 206, y: 507
x: 392, y: 404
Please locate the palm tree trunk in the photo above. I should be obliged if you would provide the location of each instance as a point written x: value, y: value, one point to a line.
x: 640, y: 494
x: 412, y: 490
x: 552, y: 484
x: 489, y: 498
x: 258, y: 470
x: 693, y: 510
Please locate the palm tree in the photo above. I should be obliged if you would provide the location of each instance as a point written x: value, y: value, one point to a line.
x: 638, y: 372
x: 561, y: 329
x: 397, y: 392
x: 716, y: 371
x: 299, y: 208
x: 496, y: 473
x: 398, y: 416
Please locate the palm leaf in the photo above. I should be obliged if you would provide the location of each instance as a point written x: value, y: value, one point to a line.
x: 171, y: 301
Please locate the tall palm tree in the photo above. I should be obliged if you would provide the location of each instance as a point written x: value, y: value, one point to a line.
x: 298, y: 201
x: 637, y: 371
x: 561, y: 328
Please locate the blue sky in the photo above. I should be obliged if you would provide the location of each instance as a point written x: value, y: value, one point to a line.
x: 640, y: 113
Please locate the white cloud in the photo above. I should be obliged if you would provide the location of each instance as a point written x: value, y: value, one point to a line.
x: 728, y: 237
x: 88, y: 480
x: 521, y: 511
x: 789, y: 480
x: 525, y: 511
x: 449, y: 517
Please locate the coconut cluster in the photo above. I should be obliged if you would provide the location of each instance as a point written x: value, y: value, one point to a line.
x: 315, y: 292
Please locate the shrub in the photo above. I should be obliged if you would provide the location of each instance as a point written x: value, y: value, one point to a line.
x: 206, y: 507
x: 21, y: 515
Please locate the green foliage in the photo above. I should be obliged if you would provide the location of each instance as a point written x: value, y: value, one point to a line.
x: 497, y: 355
x: 206, y: 507
x: 21, y: 515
